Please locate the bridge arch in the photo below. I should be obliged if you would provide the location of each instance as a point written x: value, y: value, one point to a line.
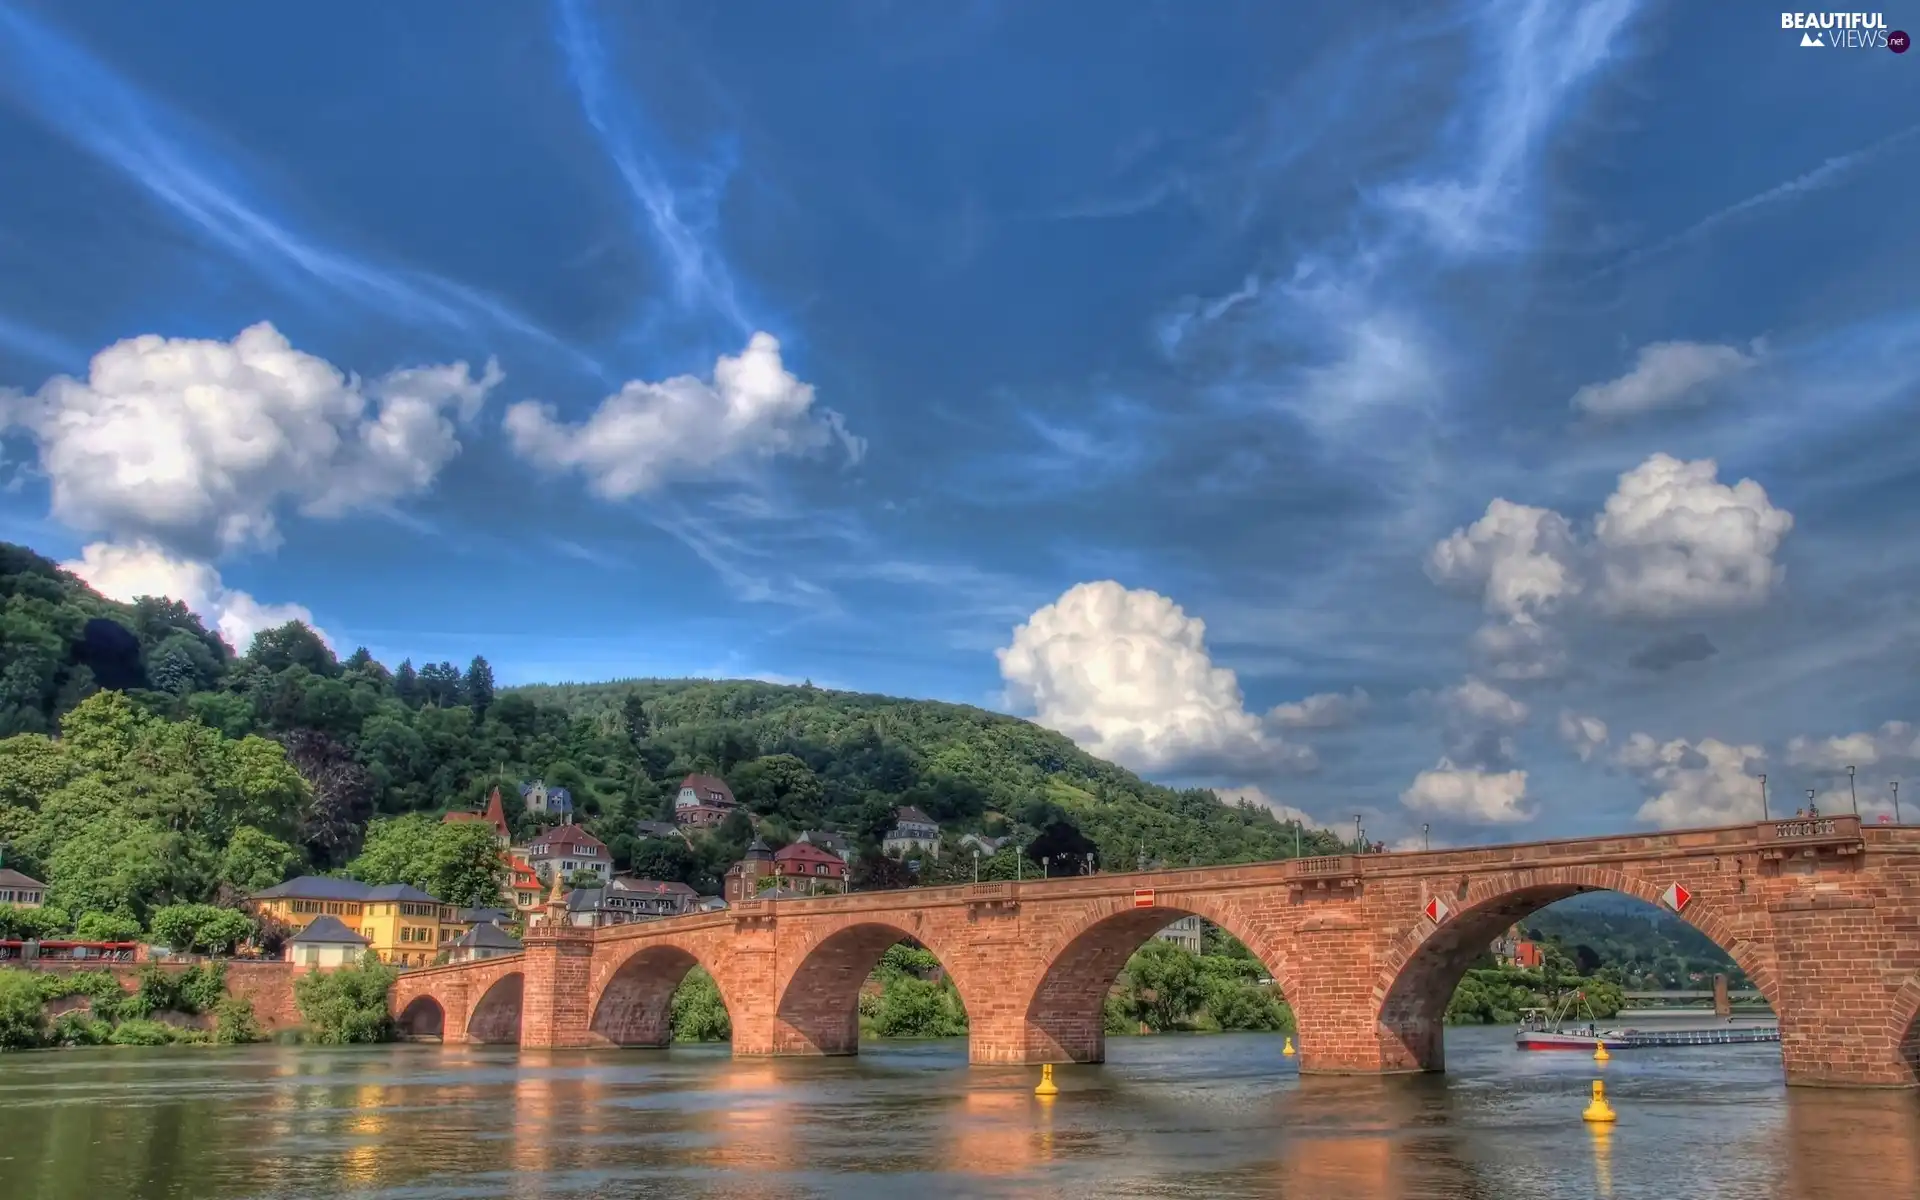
x: 634, y: 1007
x: 1903, y: 1031
x: 423, y: 1017
x: 1424, y: 966
x: 1065, y: 1010
x: 818, y: 1011
x: 496, y: 1015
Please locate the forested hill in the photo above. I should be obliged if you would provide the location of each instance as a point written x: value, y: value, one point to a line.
x: 367, y: 739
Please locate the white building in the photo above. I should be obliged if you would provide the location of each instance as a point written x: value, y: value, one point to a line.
x: 912, y: 831
x: 1184, y: 933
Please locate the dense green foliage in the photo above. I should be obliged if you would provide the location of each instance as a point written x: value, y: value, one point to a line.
x: 119, y: 1017
x: 347, y: 1005
x: 1165, y: 988
x: 1637, y: 945
x: 1498, y: 995
x: 699, y: 1015
x: 909, y: 997
x: 458, y: 863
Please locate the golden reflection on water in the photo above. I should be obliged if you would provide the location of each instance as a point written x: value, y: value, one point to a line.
x: 1853, y: 1143
x: 751, y: 1128
x: 1602, y: 1138
x: 368, y: 1127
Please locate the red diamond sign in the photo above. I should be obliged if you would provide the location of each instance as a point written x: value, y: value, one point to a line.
x: 1676, y: 897
x: 1436, y: 911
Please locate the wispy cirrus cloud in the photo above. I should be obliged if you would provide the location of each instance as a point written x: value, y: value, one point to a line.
x: 681, y: 223
x: 96, y: 109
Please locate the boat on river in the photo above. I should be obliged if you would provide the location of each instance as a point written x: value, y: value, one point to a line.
x: 1568, y: 1029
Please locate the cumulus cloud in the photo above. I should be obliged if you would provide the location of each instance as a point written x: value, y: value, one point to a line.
x: 1126, y: 674
x: 1522, y: 560
x: 1475, y: 701
x: 193, y: 445
x: 1670, y: 541
x: 1664, y: 374
x: 1519, y: 649
x: 1895, y: 741
x: 1469, y: 794
x: 1323, y: 710
x: 126, y: 572
x: 1708, y: 782
x: 1257, y: 796
x: 685, y: 428
x: 1583, y: 735
x: 1673, y: 539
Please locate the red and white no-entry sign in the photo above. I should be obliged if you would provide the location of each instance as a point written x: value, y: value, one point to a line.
x: 1676, y: 896
x: 1143, y: 898
x: 1436, y: 910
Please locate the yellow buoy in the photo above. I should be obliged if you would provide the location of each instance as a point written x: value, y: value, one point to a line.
x: 1598, y: 1109
x: 1600, y: 1052
x: 1046, y: 1087
x: 1288, y: 1049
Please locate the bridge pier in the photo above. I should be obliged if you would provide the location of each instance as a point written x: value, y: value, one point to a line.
x: 558, y: 974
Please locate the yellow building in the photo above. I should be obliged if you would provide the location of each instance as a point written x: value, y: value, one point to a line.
x: 402, y: 924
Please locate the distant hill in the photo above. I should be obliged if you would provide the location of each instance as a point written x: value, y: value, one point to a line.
x: 1651, y: 948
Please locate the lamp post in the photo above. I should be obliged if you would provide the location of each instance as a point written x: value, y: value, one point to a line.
x: 1356, y: 833
x: 1426, y: 836
x: 1046, y: 872
x: 1853, y: 794
x: 1763, y: 799
x: 1895, y: 785
x: 1813, y: 810
x: 1089, y: 862
x: 976, y: 864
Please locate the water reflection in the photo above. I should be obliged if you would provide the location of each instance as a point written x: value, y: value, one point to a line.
x: 1165, y: 1117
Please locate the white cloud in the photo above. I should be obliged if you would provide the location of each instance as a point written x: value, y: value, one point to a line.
x: 1709, y: 782
x: 685, y: 428
x: 1670, y: 541
x: 1126, y: 674
x: 1481, y: 797
x: 126, y: 572
x: 1519, y: 649
x: 1663, y: 374
x: 193, y: 444
x: 1895, y: 741
x: 1323, y: 710
x: 1521, y: 559
x: 1281, y: 812
x: 1674, y: 540
x: 1584, y: 735
x: 1476, y: 702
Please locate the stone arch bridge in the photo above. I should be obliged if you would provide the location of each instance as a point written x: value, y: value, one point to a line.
x: 1823, y: 916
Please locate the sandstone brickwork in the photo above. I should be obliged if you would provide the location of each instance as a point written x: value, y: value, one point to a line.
x: 1823, y: 916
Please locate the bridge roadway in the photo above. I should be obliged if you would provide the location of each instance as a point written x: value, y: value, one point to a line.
x: 1823, y: 917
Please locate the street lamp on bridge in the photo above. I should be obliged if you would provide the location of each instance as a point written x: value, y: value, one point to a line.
x: 1853, y: 794
x: 1895, y: 785
x: 1763, y: 799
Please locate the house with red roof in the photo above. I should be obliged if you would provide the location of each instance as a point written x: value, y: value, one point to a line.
x: 803, y: 862
x: 567, y: 849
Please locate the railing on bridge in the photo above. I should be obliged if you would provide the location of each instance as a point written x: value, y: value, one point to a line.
x: 1810, y: 835
x: 1323, y: 871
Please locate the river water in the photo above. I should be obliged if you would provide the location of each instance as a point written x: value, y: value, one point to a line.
x: 1221, y: 1116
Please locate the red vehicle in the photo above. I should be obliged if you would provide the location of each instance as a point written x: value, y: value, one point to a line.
x: 66, y: 951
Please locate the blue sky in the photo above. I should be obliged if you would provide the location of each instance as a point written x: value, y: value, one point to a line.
x: 1498, y: 417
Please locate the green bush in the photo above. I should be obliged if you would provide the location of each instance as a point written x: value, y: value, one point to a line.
x: 158, y: 992
x: 200, y: 989
x: 348, y: 1005
x: 201, y: 928
x: 23, y: 1025
x: 31, y: 924
x: 234, y: 1023
x: 699, y: 1015
x: 912, y: 1007
x: 1116, y: 1015
x: 141, y: 1032
x: 107, y: 998
x: 79, y: 1028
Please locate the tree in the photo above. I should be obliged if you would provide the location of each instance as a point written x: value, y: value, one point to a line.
x: 583, y: 878
x: 406, y: 684
x: 875, y: 872
x: 348, y: 1005
x: 339, y: 801
x: 255, y: 860
x: 201, y: 928
x: 479, y: 685
x: 666, y: 859
x: 454, y: 863
x: 1164, y: 985
x: 105, y: 927
x: 633, y: 718
x: 290, y: 645
x: 779, y: 783
x: 1062, y: 847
